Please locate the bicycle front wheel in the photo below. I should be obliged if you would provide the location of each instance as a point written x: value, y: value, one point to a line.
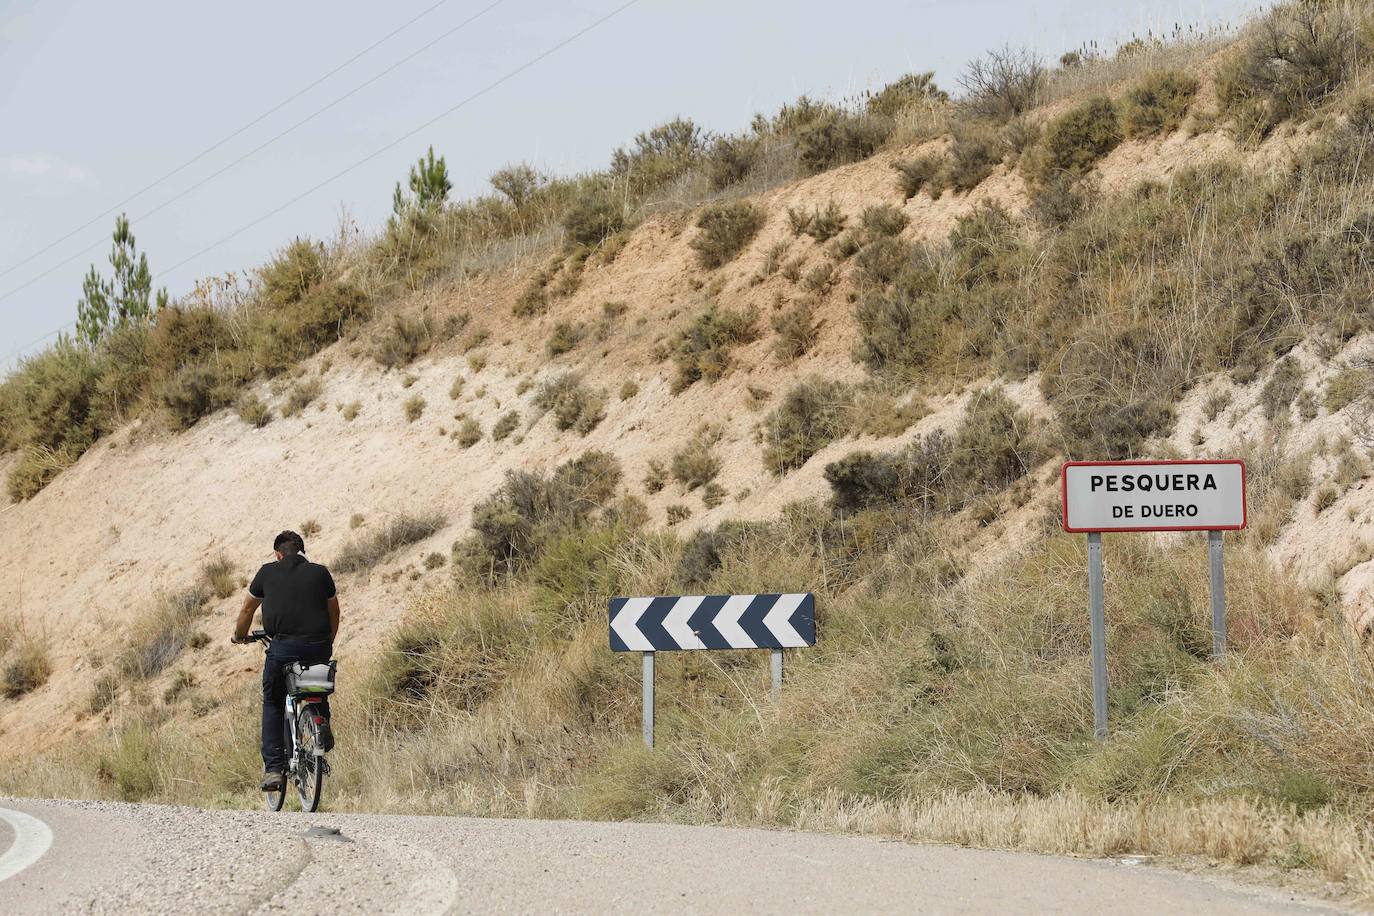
x: 310, y: 767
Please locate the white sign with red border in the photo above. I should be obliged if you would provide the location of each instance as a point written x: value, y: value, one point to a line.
x: 1153, y: 496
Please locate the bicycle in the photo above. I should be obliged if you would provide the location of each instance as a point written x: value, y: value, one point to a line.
x: 306, y: 685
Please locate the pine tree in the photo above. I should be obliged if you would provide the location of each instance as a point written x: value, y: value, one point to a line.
x: 125, y: 299
x: 429, y: 186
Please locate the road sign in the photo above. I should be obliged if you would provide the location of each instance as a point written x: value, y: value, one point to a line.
x: 673, y: 623
x: 1150, y: 496
x: 1153, y: 496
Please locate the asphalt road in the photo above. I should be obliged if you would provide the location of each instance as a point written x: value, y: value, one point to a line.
x: 107, y: 857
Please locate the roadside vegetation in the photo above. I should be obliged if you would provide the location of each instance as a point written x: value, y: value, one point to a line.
x: 948, y: 698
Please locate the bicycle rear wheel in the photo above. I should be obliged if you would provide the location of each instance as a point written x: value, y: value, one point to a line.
x: 275, y: 800
x: 310, y: 766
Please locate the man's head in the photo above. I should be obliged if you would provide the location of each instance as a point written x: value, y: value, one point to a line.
x: 288, y: 544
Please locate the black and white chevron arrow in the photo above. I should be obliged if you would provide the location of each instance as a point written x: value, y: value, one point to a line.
x: 670, y: 623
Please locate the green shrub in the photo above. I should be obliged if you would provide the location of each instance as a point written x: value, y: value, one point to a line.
x: 468, y: 434
x: 195, y: 391
x: 565, y: 336
x: 300, y: 396
x: 532, y: 509
x: 905, y: 92
x: 901, y: 328
x: 797, y: 332
x: 732, y: 159
x: 678, y: 513
x: 706, y: 549
x: 413, y: 408
x: 366, y: 551
x: 996, y: 444
x: 702, y: 349
x: 291, y: 273
x: 973, y: 153
x: 1158, y: 103
x: 696, y: 464
x: 593, y: 218
x: 287, y: 335
x: 984, y: 244
x: 252, y: 410
x: 863, y: 479
x: 881, y: 219
x: 48, y: 413
x: 573, y: 404
x: 881, y: 261
x: 726, y: 228
x: 404, y: 340
x: 1074, y: 141
x: 813, y: 413
x: 821, y: 225
x: 659, y: 155
x: 505, y: 425
x: 917, y: 174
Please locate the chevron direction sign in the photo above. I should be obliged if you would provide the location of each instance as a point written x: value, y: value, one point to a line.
x: 668, y: 623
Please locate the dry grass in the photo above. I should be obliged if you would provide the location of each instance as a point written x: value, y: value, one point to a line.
x: 367, y: 550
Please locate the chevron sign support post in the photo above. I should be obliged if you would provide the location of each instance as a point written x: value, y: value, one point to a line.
x: 668, y: 623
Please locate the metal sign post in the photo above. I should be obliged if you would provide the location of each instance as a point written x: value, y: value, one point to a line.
x: 1150, y: 496
x: 1099, y: 636
x: 649, y: 700
x: 1218, y: 579
x: 670, y: 623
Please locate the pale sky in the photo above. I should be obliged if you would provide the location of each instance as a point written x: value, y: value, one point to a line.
x: 98, y: 100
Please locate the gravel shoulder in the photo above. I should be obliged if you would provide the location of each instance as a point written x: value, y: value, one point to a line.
x: 109, y: 857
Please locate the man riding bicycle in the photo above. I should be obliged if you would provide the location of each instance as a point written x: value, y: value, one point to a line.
x: 300, y: 611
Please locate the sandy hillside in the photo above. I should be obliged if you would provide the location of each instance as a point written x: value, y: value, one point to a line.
x: 144, y: 509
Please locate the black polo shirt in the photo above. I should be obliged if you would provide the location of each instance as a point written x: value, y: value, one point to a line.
x: 294, y: 593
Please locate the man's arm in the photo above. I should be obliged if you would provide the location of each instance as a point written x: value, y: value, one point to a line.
x: 333, y: 605
x: 250, y: 607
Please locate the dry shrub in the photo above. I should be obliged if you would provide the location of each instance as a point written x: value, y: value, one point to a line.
x: 159, y: 636
x: 593, y: 218
x: 469, y: 433
x: 27, y: 666
x: 726, y: 229
x: 574, y: 405
x: 413, y: 408
x: 974, y: 151
x: 1158, y: 103
x: 702, y: 349
x: 531, y: 510
x: 220, y: 576
x: 506, y: 425
x: 252, y: 410
x: 404, y: 340
x: 917, y: 174
x: 367, y: 550
x: 696, y: 464
x: 797, y: 331
x: 881, y: 220
x: 1074, y: 141
x: 300, y: 396
x: 1002, y: 84
x: 813, y: 413
x: 564, y: 337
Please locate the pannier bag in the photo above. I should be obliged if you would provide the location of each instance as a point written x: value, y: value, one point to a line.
x: 310, y: 680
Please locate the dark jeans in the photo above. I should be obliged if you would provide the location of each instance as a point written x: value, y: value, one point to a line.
x: 283, y: 651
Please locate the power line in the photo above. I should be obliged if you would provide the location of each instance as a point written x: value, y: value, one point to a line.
x: 210, y: 149
x: 260, y: 147
x: 509, y: 75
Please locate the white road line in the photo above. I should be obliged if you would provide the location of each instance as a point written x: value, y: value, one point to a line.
x: 31, y: 839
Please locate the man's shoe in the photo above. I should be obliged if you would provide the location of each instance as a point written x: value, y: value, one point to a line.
x: 273, y: 781
x: 326, y: 736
